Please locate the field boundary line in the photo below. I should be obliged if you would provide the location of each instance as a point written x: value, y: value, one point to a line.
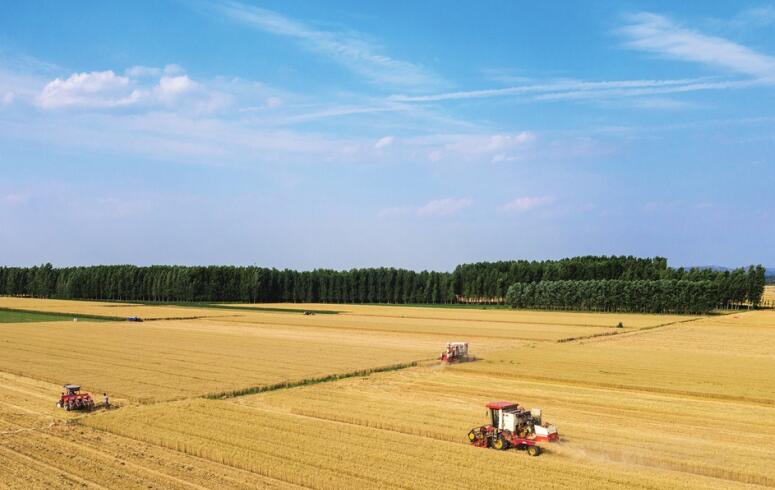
x: 628, y: 332
x: 307, y: 381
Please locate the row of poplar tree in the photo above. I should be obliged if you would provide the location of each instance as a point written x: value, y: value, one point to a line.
x: 480, y: 282
x: 652, y: 296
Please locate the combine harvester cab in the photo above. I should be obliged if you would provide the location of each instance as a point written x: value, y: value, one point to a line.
x: 73, y: 399
x: 510, y: 425
x: 455, y: 352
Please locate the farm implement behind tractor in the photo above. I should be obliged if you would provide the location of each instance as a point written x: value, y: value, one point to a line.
x: 73, y: 399
x: 510, y: 425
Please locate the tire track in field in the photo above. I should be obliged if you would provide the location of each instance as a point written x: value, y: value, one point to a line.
x: 52, y: 468
x: 598, y: 337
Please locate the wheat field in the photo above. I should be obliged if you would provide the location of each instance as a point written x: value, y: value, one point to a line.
x: 769, y: 295
x: 165, y: 360
x: 319, y: 453
x: 665, y: 402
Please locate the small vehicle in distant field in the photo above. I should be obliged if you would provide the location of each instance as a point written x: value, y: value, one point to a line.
x: 456, y: 352
x: 134, y: 319
x: 308, y: 313
x: 73, y: 399
x: 510, y: 425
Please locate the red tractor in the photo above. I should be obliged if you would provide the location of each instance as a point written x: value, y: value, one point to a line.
x: 455, y: 352
x: 510, y: 425
x: 73, y: 399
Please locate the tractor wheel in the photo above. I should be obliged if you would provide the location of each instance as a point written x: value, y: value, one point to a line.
x: 500, y: 443
x: 471, y: 435
x: 533, y: 450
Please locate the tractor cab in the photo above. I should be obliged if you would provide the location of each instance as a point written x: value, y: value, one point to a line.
x: 72, y: 389
x: 511, y: 417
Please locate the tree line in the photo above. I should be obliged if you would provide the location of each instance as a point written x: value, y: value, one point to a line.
x: 227, y: 283
x: 484, y: 281
x: 651, y: 296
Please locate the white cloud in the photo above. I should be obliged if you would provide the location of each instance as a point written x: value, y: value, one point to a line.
x: 170, y: 88
x: 384, y: 142
x: 92, y: 89
x: 105, y: 90
x: 347, y: 48
x: 15, y: 199
x: 274, y: 102
x: 444, y: 207
x: 8, y: 98
x: 525, y: 204
x: 658, y: 34
x: 475, y: 147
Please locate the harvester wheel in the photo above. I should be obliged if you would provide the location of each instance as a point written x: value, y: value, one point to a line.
x: 533, y: 450
x: 472, y: 435
x: 500, y: 443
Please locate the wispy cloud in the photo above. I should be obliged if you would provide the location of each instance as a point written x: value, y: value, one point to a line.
x: 575, y: 89
x: 444, y: 207
x: 436, y: 208
x: 526, y: 203
x: 384, y: 142
x: 350, y: 49
x: 761, y: 16
x: 660, y: 35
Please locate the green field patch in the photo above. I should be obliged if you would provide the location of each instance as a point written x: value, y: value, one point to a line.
x: 8, y: 315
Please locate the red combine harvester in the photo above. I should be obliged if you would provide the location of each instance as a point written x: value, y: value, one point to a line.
x: 73, y: 399
x: 510, y: 425
x: 455, y: 352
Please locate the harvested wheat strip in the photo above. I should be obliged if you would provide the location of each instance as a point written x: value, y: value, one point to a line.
x: 637, y: 388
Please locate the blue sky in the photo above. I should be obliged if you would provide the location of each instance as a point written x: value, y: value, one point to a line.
x: 411, y: 134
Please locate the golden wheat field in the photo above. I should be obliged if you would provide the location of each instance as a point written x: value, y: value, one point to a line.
x: 164, y: 360
x: 769, y: 295
x: 665, y: 402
